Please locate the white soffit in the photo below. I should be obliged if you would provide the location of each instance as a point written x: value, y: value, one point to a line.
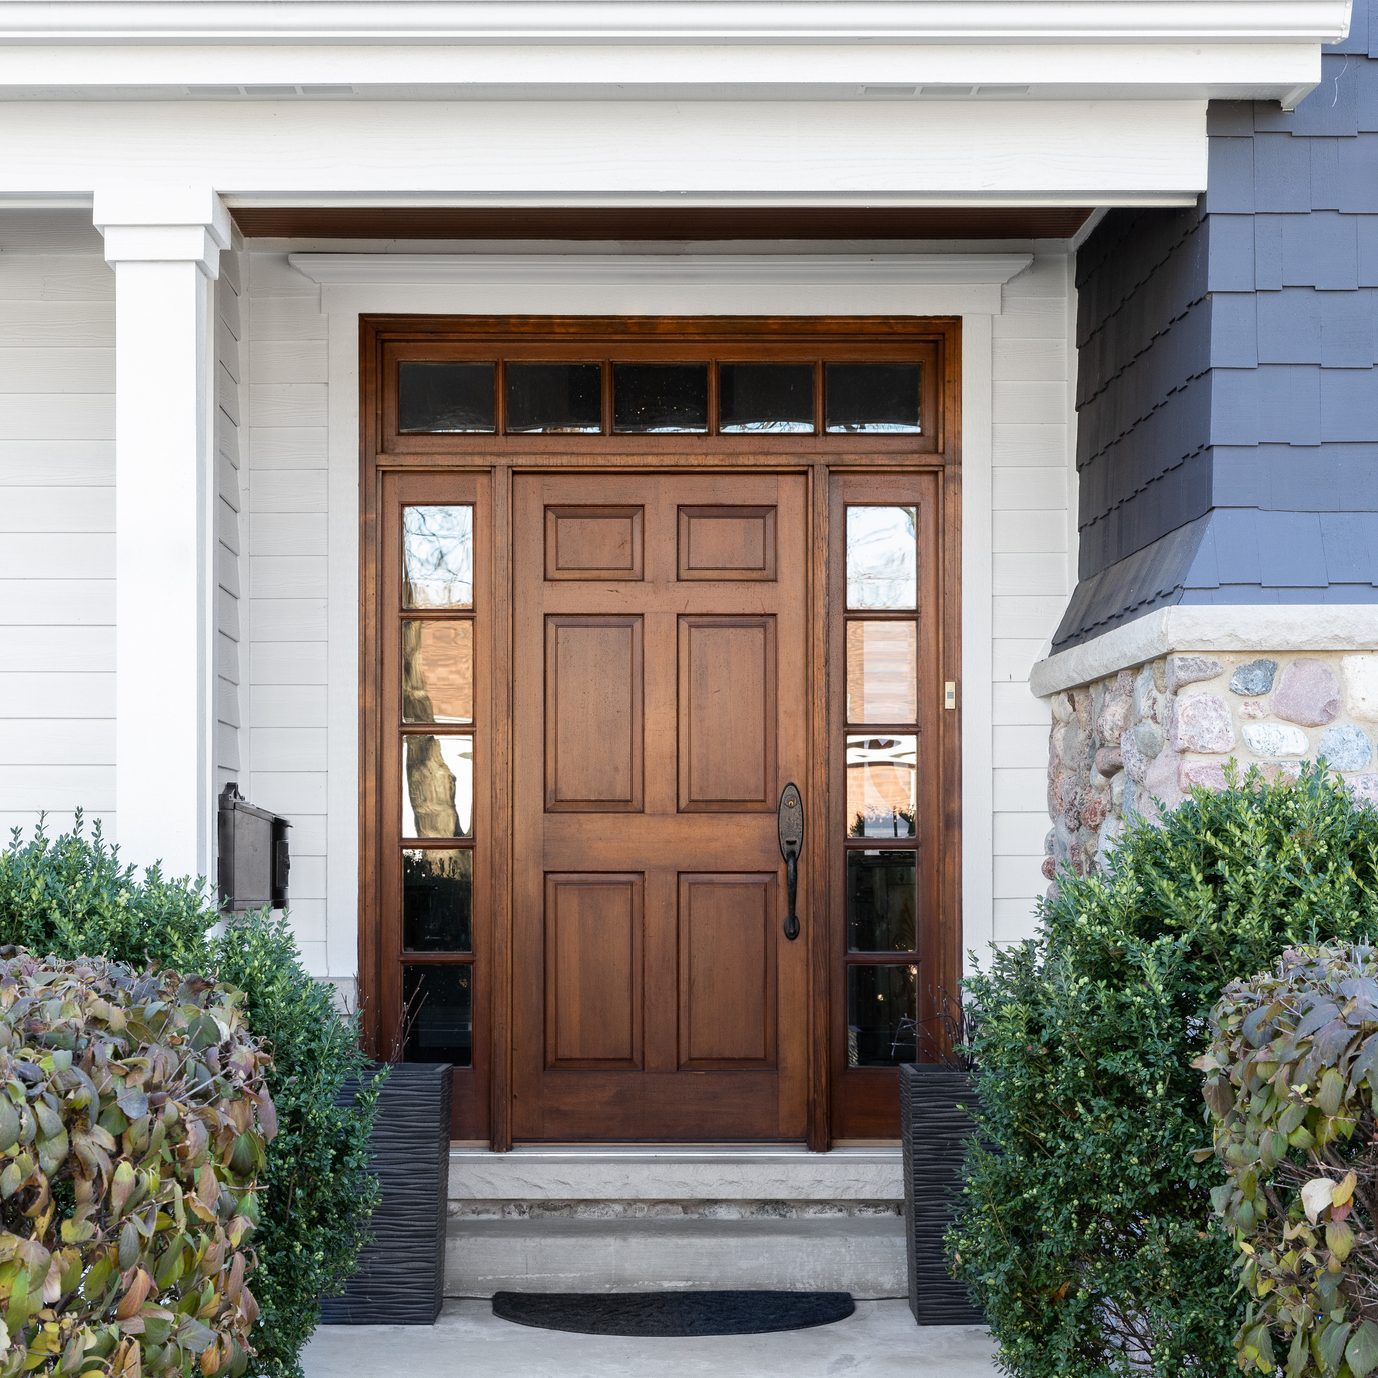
x: 681, y: 49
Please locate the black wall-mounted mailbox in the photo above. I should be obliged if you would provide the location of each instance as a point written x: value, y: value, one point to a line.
x: 254, y: 857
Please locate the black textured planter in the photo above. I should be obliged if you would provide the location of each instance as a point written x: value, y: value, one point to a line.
x: 934, y: 1133
x: 400, y: 1279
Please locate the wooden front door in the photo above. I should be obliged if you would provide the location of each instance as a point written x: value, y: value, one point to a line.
x: 661, y: 700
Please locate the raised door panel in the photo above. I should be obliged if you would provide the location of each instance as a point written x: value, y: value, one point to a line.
x: 593, y: 977
x: 594, y: 714
x: 726, y: 970
x: 725, y: 542
x: 593, y: 542
x: 727, y: 714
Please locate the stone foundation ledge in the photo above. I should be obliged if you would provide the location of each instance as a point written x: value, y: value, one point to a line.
x: 1271, y: 688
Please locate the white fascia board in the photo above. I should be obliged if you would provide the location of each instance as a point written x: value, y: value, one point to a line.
x: 816, y: 71
x: 710, y: 153
x: 620, y: 21
x: 685, y: 50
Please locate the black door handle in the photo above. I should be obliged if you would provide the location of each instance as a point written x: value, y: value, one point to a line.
x: 791, y: 824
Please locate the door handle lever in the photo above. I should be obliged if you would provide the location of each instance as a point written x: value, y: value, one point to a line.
x: 791, y: 828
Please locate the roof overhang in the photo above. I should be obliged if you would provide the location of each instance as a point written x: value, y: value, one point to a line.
x: 971, y: 50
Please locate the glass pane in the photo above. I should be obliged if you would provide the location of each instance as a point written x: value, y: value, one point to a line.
x: 437, y: 901
x: 767, y: 398
x: 882, y: 786
x: 445, y: 398
x: 438, y: 672
x: 882, y: 557
x: 882, y: 1015
x: 873, y: 397
x: 438, y: 787
x: 437, y: 557
x: 437, y: 1014
x: 882, y: 899
x: 563, y: 399
x: 881, y: 674
x: 650, y: 399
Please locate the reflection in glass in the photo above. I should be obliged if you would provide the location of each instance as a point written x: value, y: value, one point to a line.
x: 882, y: 901
x: 651, y: 399
x: 882, y: 786
x: 438, y: 672
x: 438, y: 557
x: 445, y: 398
x: 882, y: 558
x: 882, y: 1015
x: 563, y: 399
x: 872, y: 398
x: 438, y: 787
x: 765, y: 398
x: 438, y: 1014
x: 881, y: 672
x: 437, y: 901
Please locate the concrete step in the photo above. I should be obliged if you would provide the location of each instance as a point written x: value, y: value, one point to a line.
x: 863, y: 1255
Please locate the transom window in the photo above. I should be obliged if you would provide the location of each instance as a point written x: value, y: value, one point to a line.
x: 725, y: 397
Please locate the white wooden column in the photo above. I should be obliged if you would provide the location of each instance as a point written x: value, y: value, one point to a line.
x: 164, y: 245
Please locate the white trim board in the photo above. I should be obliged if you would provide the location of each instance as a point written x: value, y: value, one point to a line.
x: 1246, y: 628
x: 783, y: 151
x: 979, y: 50
x: 678, y: 292
x: 664, y: 284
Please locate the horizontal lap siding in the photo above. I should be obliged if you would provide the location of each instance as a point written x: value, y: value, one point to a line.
x: 1031, y: 571
x: 57, y: 522
x: 287, y: 582
x: 231, y: 481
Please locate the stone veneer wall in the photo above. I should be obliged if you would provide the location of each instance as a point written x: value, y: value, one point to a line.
x: 1145, y: 736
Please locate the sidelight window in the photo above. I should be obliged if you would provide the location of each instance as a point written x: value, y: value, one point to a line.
x: 883, y: 750
x: 436, y: 788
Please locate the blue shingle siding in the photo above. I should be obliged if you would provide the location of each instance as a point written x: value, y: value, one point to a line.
x: 1227, y: 391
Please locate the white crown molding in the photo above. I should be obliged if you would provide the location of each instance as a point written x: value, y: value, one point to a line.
x: 973, y: 51
x: 670, y: 21
x: 1246, y: 628
x: 664, y: 284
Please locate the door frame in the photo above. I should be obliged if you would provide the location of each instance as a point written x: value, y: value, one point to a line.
x: 817, y: 456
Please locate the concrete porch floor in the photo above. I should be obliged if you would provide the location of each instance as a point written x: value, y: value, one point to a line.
x: 879, y: 1341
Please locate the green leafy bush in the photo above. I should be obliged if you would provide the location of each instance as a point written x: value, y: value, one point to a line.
x: 133, y: 1116
x: 71, y: 896
x: 1292, y: 1084
x: 319, y: 1192
x: 1085, y: 1228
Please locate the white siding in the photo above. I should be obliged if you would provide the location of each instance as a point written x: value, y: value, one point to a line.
x: 57, y: 521
x: 231, y: 482
x: 1032, y: 487
x: 287, y: 580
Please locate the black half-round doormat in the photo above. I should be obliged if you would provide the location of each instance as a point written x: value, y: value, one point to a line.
x: 673, y: 1313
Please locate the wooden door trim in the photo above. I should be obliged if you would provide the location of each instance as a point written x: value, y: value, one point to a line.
x: 817, y: 456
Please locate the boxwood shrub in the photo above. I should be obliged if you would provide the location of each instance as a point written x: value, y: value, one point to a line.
x: 1086, y: 1229
x: 71, y: 896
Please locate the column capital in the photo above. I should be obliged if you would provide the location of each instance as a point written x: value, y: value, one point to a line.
x: 162, y: 224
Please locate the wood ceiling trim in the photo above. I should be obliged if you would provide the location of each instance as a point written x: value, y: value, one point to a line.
x: 655, y: 223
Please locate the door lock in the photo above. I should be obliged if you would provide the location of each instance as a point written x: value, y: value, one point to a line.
x: 791, y: 821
